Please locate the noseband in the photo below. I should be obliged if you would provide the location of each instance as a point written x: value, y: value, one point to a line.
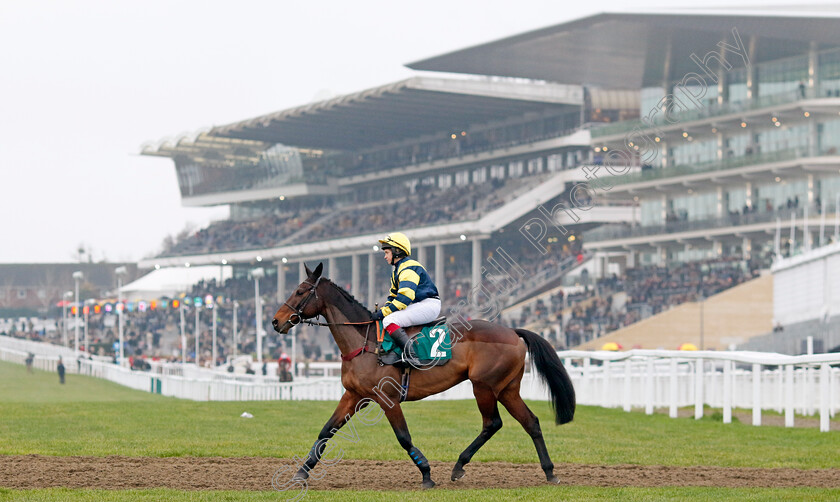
x: 298, y: 311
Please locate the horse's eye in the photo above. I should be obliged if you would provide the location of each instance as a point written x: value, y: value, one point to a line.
x: 299, y: 293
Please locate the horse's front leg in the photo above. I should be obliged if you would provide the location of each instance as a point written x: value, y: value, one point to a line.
x: 397, y: 420
x: 345, y: 409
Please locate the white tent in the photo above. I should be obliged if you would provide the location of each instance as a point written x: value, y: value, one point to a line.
x: 172, y: 281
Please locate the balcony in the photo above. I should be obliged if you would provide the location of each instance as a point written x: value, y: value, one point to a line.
x: 714, y: 110
x: 733, y: 220
x: 707, y: 167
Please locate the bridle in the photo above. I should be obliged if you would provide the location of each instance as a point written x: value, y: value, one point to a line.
x: 298, y: 311
x: 298, y: 318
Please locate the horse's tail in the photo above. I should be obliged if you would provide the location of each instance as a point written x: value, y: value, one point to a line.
x: 553, y: 374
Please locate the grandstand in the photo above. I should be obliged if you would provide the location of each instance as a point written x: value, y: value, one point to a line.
x: 620, y: 164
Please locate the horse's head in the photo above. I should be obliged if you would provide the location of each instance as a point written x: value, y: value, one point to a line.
x: 304, y: 303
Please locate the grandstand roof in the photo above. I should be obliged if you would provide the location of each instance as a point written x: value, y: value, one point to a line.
x: 628, y: 50
x: 201, y: 146
x: 406, y: 109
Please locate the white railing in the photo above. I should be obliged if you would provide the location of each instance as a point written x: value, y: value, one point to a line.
x: 646, y: 379
x: 671, y: 379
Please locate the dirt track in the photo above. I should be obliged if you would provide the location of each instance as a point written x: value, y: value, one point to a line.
x: 218, y: 473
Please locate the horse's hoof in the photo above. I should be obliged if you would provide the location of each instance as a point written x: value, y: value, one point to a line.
x: 300, y: 476
x: 428, y: 483
x: 457, y: 474
x: 554, y: 480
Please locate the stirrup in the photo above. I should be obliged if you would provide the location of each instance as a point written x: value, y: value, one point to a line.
x: 404, y: 342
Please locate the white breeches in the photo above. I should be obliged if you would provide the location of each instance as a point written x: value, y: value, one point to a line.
x: 416, y: 313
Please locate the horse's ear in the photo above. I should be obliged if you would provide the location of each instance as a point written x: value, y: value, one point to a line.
x: 308, y: 272
x: 318, y: 270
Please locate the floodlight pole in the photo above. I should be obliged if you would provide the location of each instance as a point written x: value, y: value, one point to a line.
x: 213, y: 313
x: 235, y: 328
x: 120, y: 271
x: 257, y: 274
x: 77, y: 276
x: 183, y: 335
x: 197, y: 335
x: 87, y: 312
x: 67, y: 296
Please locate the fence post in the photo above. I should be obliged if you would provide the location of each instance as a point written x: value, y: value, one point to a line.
x: 727, y: 392
x: 807, y: 378
x: 585, y: 384
x: 607, y: 392
x: 756, y: 412
x: 698, y: 389
x: 649, y: 386
x: 628, y: 373
x: 789, y: 395
x: 831, y: 392
x: 672, y: 410
x: 825, y: 396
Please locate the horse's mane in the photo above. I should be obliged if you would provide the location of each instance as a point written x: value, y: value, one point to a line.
x: 350, y: 298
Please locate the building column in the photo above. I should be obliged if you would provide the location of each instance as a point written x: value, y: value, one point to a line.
x: 663, y: 153
x: 660, y: 255
x: 631, y: 259
x: 301, y: 271
x: 440, y: 279
x: 749, y: 195
x: 752, y: 69
x: 722, y: 81
x: 717, y: 247
x: 746, y: 248
x: 721, y: 146
x: 371, y: 292
x: 421, y: 255
x: 813, y: 138
x: 476, y: 262
x: 667, y: 67
x: 354, y: 274
x: 720, y: 212
x: 814, y: 68
x: 332, y: 269
x: 281, y: 282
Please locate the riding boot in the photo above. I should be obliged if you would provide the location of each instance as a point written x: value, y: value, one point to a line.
x: 402, y: 341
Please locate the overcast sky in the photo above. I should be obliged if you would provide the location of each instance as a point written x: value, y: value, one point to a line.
x: 83, y: 84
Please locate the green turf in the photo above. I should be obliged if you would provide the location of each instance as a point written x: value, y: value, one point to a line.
x: 92, y: 417
x: 547, y: 493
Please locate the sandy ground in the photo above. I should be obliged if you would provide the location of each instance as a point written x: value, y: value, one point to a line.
x: 248, y: 473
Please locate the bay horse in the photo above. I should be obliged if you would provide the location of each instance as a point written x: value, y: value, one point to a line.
x: 491, y: 356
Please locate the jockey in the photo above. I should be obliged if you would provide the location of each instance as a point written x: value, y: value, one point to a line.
x: 413, y: 297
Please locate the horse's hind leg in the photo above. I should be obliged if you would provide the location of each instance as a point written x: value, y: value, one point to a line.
x: 489, y: 409
x: 513, y: 402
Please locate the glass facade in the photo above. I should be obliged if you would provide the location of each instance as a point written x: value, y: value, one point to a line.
x: 778, y: 194
x: 828, y: 190
x: 736, y: 200
x: 695, y: 207
x: 737, y: 82
x: 277, y: 166
x: 695, y: 152
x: 784, y: 75
x: 651, y: 212
x: 829, y: 137
x: 783, y: 138
x: 829, y: 71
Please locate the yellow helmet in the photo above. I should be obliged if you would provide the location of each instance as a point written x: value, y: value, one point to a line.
x: 397, y: 240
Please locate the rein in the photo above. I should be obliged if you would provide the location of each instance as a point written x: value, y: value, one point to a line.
x: 298, y: 311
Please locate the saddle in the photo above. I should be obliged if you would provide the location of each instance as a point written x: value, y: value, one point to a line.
x: 391, y: 358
